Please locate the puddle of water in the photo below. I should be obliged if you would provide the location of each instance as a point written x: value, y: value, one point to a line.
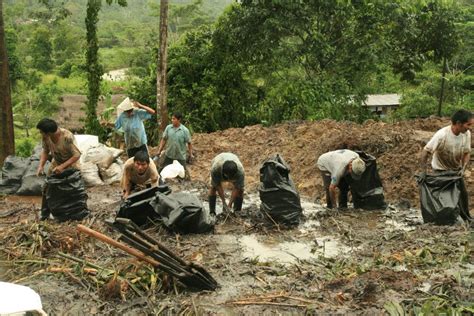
x: 23, y: 199
x: 289, y: 252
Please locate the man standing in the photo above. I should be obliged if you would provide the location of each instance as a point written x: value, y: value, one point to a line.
x: 176, y: 137
x: 334, y: 166
x: 131, y: 121
x: 138, y: 171
x: 226, y: 167
x: 62, y: 146
x: 451, y: 145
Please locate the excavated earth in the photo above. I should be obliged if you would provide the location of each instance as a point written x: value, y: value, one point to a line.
x: 333, y: 262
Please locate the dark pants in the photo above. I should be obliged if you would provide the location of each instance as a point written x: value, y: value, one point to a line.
x: 132, y: 151
x: 343, y: 187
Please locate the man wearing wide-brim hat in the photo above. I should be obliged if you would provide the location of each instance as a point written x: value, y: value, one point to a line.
x: 130, y: 119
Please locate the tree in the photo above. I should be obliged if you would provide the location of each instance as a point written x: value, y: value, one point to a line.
x: 93, y: 67
x: 41, y: 49
x: 162, y: 69
x: 7, y: 142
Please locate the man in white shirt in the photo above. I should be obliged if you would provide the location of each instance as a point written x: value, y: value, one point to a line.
x: 451, y: 145
x: 334, y: 166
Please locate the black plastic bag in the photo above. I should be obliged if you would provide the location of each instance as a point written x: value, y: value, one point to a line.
x: 66, y: 195
x: 278, y: 195
x: 13, y: 169
x: 367, y: 192
x: 183, y: 213
x: 443, y: 197
x: 137, y: 206
x: 30, y: 183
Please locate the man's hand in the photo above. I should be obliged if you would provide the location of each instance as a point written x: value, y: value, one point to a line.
x: 40, y: 171
x: 58, y: 169
x: 190, y: 158
x: 125, y: 195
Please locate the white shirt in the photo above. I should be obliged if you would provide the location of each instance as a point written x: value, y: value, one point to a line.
x: 335, y: 162
x: 448, y: 149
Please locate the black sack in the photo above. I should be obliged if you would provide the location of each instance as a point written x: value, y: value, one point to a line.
x: 183, y: 213
x: 66, y: 195
x: 278, y: 195
x: 137, y: 206
x: 443, y: 197
x: 31, y: 184
x: 367, y: 192
x: 13, y: 169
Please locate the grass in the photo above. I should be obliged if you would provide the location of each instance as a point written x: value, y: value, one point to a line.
x: 74, y: 85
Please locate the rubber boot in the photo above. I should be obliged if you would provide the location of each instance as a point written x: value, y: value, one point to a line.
x: 238, y: 204
x: 45, y: 211
x: 212, y: 204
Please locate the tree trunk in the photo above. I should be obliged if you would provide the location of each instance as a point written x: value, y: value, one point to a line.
x: 161, y: 74
x: 7, y: 140
x: 443, y: 80
x: 94, y: 70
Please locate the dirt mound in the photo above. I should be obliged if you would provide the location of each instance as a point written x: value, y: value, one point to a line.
x: 395, y: 145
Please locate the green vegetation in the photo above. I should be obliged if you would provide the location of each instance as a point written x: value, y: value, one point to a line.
x: 234, y: 64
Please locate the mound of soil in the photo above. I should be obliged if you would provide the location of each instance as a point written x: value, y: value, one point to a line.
x: 396, y: 146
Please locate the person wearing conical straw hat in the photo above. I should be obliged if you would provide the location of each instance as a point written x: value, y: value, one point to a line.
x: 130, y: 117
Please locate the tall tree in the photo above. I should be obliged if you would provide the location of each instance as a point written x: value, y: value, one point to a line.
x: 7, y: 142
x: 93, y: 66
x: 161, y: 74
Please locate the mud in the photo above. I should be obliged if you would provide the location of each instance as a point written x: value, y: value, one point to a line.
x: 352, y: 261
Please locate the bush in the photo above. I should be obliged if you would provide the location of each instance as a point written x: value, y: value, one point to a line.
x: 24, y: 147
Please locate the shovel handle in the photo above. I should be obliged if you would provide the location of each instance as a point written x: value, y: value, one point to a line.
x: 86, y: 230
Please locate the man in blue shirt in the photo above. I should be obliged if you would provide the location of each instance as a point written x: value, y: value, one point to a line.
x: 131, y: 122
x: 177, y: 138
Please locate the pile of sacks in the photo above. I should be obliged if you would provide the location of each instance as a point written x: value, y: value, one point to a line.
x: 99, y: 165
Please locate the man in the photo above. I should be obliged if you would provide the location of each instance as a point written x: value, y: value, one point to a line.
x: 334, y: 166
x: 138, y: 171
x: 226, y: 167
x: 177, y: 138
x: 62, y: 146
x: 131, y: 121
x: 451, y: 145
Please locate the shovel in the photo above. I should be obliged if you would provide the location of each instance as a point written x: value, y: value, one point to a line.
x: 149, y: 250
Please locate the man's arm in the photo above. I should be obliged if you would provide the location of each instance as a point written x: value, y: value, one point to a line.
x: 220, y: 191
x: 42, y: 162
x: 190, y: 150
x: 146, y: 108
x: 162, y: 145
x: 60, y: 168
x: 332, y: 194
x: 118, y: 121
x: 155, y: 176
x: 465, y: 160
x: 126, y: 184
x: 425, y: 155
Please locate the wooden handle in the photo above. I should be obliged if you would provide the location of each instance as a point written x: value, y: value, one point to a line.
x: 112, y: 242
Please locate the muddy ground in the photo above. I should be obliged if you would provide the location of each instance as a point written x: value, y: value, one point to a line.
x: 354, y: 261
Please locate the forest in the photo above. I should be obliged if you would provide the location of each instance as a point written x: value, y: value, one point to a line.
x: 232, y: 64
